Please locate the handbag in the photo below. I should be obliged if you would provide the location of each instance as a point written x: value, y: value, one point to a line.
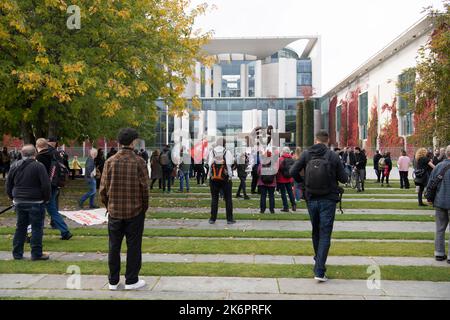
x: 420, y: 177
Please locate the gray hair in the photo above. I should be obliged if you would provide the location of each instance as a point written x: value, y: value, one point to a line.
x: 447, y: 151
x: 286, y: 150
x: 28, y: 151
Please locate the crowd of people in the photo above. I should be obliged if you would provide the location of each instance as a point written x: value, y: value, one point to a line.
x: 123, y: 181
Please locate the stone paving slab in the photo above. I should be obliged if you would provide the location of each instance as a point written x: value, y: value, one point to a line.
x: 241, y: 288
x: 345, y: 199
x: 247, y: 259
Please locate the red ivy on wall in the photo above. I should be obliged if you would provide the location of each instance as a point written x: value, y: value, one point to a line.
x: 343, y: 129
x: 353, y: 128
x: 389, y: 138
x: 332, y: 120
x: 372, y: 133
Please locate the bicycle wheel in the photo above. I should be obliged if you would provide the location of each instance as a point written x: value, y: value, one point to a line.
x: 354, y: 180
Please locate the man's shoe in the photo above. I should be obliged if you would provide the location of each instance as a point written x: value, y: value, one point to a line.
x: 440, y: 258
x: 321, y: 279
x: 272, y: 211
x: 67, y: 236
x: 44, y: 256
x: 94, y: 207
x: 52, y: 224
x: 211, y: 221
x: 294, y: 208
x: 231, y: 222
x: 284, y: 210
x: 18, y: 258
x: 262, y: 212
x: 246, y: 198
x: 135, y: 286
x: 113, y: 287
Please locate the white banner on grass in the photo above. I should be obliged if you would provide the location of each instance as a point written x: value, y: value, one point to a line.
x: 87, y: 217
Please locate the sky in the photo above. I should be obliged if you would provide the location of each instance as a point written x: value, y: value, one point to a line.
x: 351, y: 30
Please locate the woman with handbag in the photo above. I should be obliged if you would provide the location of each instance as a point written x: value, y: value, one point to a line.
x: 424, y: 166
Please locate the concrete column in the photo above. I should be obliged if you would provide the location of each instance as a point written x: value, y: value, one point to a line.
x: 211, y: 123
x: 185, y: 132
x: 207, y: 82
x: 217, y: 81
x: 198, y: 79
x: 176, y: 130
x: 259, y: 117
x: 244, y: 80
x: 254, y: 118
x: 272, y: 118
x: 317, y: 121
x: 282, y: 124
x: 258, y: 78
x: 247, y: 121
x: 201, y: 124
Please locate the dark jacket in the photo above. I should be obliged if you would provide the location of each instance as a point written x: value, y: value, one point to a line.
x: 352, y: 158
x: 28, y: 181
x: 388, y: 162
x: 45, y: 157
x: 376, y: 158
x: 360, y: 160
x: 442, y: 199
x: 337, y: 172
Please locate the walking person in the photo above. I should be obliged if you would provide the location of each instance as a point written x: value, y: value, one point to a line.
x: 184, y: 170
x: 284, y: 179
x: 165, y: 160
x: 297, y: 186
x: 403, y: 163
x: 422, y: 172
x: 124, y: 191
x: 441, y: 202
x: 156, y: 170
x: 360, y: 164
x: 28, y: 186
x: 6, y: 161
x: 256, y: 162
x: 387, y: 169
x: 99, y: 162
x: 49, y: 157
x: 90, y: 178
x: 241, y: 166
x: 323, y: 171
x: 220, y: 161
x: 267, y: 182
x: 376, y: 159
x: 200, y: 172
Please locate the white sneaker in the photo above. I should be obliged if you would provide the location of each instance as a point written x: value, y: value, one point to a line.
x: 321, y: 279
x: 135, y: 286
x: 113, y: 287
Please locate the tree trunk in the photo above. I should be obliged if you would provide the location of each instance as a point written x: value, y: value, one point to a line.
x: 27, y: 133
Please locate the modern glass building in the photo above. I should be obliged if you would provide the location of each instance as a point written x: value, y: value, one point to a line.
x: 254, y: 82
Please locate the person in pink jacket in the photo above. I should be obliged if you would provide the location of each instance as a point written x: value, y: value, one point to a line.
x: 403, y: 168
x: 267, y: 181
x: 285, y: 180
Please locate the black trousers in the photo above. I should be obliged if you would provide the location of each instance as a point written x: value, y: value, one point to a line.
x: 166, y: 179
x: 378, y: 173
x: 221, y: 186
x: 242, y: 186
x: 404, y: 182
x: 153, y: 182
x: 420, y: 194
x: 132, y: 229
x: 200, y: 173
x: 254, y: 183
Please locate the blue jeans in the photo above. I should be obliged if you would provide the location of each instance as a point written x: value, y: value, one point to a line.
x: 52, y: 209
x: 264, y: 191
x: 184, y: 176
x: 286, y: 187
x: 34, y: 214
x: 298, y: 191
x: 92, y: 183
x: 321, y: 214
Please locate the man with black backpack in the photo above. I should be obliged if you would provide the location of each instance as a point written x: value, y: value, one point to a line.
x: 220, y: 161
x: 51, y: 159
x: 165, y: 160
x: 323, y: 171
x: 284, y: 179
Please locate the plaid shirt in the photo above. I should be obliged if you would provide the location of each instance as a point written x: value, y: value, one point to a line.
x: 124, y: 185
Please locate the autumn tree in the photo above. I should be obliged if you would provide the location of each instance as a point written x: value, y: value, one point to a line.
x: 88, y: 82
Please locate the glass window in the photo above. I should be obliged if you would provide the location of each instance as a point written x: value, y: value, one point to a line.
x: 304, y: 79
x: 304, y: 66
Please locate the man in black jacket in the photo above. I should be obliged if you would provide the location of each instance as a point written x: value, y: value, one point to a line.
x: 323, y: 171
x: 361, y: 161
x: 28, y: 185
x: 376, y: 159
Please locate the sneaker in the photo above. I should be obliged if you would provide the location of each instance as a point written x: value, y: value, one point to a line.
x: 211, y: 221
x: 440, y: 258
x: 67, y: 236
x: 231, y: 222
x: 45, y: 256
x: 113, y: 287
x: 137, y: 285
x: 321, y: 279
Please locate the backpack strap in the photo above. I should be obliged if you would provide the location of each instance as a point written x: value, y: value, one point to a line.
x: 441, y: 175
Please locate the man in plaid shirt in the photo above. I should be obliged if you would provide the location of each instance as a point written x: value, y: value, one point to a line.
x: 124, y: 191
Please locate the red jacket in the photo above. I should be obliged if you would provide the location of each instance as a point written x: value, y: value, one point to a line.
x: 280, y: 177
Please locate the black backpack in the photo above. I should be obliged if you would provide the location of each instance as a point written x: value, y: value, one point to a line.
x: 286, y: 167
x: 58, y: 171
x: 430, y: 193
x: 317, y: 176
x: 267, y: 178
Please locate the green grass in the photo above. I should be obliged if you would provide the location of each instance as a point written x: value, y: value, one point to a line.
x: 231, y: 270
x: 270, y: 234
x: 231, y: 246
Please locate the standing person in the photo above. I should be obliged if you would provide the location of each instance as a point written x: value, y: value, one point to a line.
x: 220, y: 161
x: 28, y: 185
x: 99, y: 162
x: 422, y: 172
x: 156, y: 170
x: 376, y: 159
x: 184, y: 169
x: 323, y: 171
x: 267, y: 182
x: 6, y: 161
x: 403, y: 168
x: 144, y: 154
x: 76, y: 167
x: 437, y: 157
x: 241, y: 167
x: 90, y: 178
x: 360, y: 164
x: 441, y: 204
x: 348, y: 157
x: 284, y: 179
x: 49, y: 157
x: 112, y: 152
x: 297, y: 186
x: 124, y: 191
x: 387, y: 169
x: 256, y: 162
x: 165, y: 160
x: 200, y: 172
